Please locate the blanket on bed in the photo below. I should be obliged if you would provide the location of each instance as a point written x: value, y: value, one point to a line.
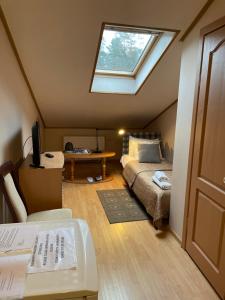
x: 133, y: 169
x: 156, y: 201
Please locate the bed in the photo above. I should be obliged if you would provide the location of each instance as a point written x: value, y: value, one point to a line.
x: 139, y: 179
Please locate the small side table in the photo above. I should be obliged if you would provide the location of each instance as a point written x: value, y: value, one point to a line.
x: 90, y: 156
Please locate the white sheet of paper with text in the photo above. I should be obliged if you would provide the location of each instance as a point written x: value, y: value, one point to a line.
x: 13, y: 270
x: 54, y: 250
x: 14, y: 237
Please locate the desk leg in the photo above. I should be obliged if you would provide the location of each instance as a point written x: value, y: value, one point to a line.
x: 104, y: 168
x: 72, y: 170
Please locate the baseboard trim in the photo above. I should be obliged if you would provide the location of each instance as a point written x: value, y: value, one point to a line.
x: 175, y: 235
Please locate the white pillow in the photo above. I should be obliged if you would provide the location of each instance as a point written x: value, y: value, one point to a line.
x: 133, y: 146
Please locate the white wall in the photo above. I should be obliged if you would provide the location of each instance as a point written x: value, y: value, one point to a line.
x: 189, y: 65
x: 166, y: 124
x: 17, y: 110
x: 54, y: 138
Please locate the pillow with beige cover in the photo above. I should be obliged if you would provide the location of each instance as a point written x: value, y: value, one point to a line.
x: 133, y: 146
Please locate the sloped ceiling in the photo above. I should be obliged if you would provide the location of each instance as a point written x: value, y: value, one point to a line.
x: 57, y: 43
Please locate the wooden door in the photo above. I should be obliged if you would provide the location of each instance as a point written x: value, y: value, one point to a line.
x: 206, y: 218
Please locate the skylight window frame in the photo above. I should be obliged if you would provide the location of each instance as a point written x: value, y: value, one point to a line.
x: 145, y: 53
x: 108, y: 86
x: 130, y: 29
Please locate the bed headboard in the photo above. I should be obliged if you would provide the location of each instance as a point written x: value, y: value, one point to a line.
x: 141, y: 134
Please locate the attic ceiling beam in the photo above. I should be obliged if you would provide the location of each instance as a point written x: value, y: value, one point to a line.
x: 13, y: 45
x: 196, y: 19
x: 159, y: 115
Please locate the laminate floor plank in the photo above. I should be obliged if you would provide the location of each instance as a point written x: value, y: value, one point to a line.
x: 135, y: 262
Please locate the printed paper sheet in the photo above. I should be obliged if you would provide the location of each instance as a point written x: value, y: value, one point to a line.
x: 54, y: 250
x: 13, y: 238
x: 12, y: 276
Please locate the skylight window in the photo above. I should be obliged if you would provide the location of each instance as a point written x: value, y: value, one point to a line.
x: 126, y: 56
x: 122, y: 50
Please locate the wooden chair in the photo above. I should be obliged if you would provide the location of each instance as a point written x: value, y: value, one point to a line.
x: 17, y: 204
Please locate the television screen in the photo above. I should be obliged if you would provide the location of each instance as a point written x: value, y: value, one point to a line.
x: 36, y: 145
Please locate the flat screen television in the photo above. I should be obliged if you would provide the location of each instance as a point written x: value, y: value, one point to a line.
x: 36, y: 145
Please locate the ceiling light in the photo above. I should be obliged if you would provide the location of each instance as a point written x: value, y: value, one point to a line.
x: 121, y: 131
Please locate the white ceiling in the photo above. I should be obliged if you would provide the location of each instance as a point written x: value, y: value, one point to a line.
x: 57, y: 42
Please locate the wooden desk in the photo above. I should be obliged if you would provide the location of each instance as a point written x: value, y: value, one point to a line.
x: 91, y: 156
x: 42, y: 188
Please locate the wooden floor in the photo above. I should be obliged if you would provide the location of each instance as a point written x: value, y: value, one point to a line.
x: 135, y: 261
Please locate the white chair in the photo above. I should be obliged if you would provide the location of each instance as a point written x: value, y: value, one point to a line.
x: 17, y: 203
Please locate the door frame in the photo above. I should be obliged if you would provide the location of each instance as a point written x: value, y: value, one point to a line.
x: 203, y: 32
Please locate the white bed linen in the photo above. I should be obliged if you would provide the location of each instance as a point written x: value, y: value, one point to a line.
x: 125, y: 159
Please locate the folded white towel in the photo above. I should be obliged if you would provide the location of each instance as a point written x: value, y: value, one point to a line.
x: 161, y: 176
x: 164, y: 185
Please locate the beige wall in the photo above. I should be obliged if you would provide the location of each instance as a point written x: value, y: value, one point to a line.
x: 189, y: 65
x: 17, y: 110
x: 54, y: 138
x: 166, y: 124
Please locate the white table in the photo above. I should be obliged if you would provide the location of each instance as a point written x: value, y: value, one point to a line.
x: 78, y: 284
